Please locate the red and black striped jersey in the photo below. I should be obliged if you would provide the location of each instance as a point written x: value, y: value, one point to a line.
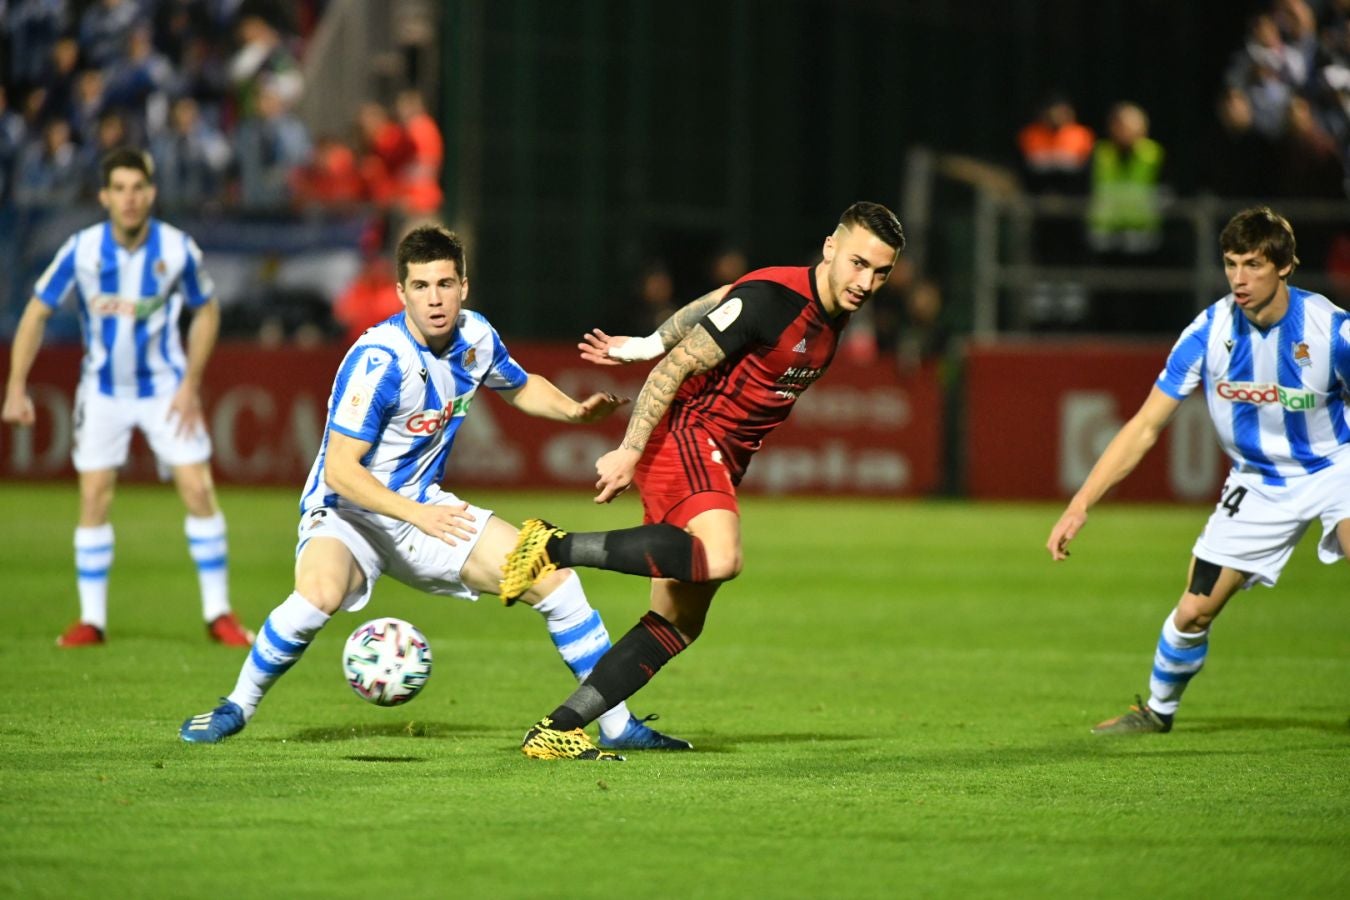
x: 778, y: 340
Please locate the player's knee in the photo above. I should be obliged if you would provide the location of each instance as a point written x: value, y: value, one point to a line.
x: 1191, y: 616
x: 199, y: 497
x: 324, y: 594
x: 724, y: 563
x: 545, y: 586
x: 1205, y: 596
x: 95, y: 503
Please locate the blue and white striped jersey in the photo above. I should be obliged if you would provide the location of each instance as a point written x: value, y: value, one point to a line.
x: 1277, y: 396
x: 129, y: 304
x: 409, y: 403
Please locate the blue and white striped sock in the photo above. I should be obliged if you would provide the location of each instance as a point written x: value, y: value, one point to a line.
x: 206, y: 543
x: 93, y: 559
x: 581, y: 638
x: 280, y: 642
x: 1178, y: 658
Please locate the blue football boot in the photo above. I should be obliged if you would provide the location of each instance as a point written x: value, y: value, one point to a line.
x: 637, y: 736
x: 214, y: 726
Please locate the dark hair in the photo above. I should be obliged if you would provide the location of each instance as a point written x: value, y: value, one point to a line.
x: 126, y: 158
x: 877, y: 219
x: 430, y: 243
x: 1261, y: 230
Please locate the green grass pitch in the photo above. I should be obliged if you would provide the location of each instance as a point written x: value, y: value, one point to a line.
x: 893, y: 700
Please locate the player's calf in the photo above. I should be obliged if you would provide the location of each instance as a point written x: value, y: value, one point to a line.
x: 656, y: 551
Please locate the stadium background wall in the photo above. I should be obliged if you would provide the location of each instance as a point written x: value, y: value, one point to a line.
x: 864, y: 430
x: 1032, y: 419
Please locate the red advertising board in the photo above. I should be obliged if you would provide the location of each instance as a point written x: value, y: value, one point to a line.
x: 1039, y: 414
x: 862, y: 429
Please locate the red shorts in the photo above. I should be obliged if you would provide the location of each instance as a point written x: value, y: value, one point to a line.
x: 680, y: 475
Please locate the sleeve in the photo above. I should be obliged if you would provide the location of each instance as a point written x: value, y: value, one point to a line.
x: 198, y: 286
x: 365, y: 392
x: 505, y: 374
x: 1340, y: 349
x: 58, y: 282
x: 751, y: 314
x: 1181, y: 375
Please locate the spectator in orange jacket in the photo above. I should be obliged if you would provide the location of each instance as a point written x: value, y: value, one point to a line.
x: 420, y: 182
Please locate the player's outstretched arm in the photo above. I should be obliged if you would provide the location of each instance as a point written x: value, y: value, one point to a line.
x: 615, y: 350
x: 18, y: 406
x: 696, y: 354
x: 344, y: 473
x: 1117, y: 461
x: 541, y: 397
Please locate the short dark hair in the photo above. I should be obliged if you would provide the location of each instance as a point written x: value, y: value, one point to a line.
x: 1261, y: 230
x: 126, y: 158
x: 430, y: 243
x: 877, y: 219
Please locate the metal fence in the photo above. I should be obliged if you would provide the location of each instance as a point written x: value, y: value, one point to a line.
x: 1007, y: 272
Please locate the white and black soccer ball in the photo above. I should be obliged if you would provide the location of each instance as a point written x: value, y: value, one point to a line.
x: 387, y: 661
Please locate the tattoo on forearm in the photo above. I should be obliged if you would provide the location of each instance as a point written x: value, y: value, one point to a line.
x: 674, y: 329
x: 694, y: 355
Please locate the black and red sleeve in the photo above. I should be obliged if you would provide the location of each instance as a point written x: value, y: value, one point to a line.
x: 753, y: 314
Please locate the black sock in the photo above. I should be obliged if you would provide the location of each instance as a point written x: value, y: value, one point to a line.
x: 633, y: 661
x: 657, y: 551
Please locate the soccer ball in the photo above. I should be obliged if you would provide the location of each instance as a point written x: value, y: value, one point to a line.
x: 387, y: 661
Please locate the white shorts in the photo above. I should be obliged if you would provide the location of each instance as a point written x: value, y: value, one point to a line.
x: 1255, y: 526
x: 103, y: 427
x: 382, y: 545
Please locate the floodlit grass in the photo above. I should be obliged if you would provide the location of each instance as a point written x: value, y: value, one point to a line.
x: 893, y: 700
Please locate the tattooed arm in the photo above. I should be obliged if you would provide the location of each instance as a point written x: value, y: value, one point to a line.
x: 696, y: 353
x: 676, y: 328
x: 611, y: 350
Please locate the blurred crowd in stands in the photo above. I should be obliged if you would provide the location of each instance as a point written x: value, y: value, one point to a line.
x: 1285, y: 107
x: 210, y: 88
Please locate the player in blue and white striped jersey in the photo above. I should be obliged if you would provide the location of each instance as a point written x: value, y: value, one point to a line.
x: 132, y: 277
x: 373, y: 503
x: 1274, y: 362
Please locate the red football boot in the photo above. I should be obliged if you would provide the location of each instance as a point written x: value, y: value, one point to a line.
x: 225, y: 629
x: 81, y: 634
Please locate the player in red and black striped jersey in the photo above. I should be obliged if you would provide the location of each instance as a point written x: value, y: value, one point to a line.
x: 735, y: 362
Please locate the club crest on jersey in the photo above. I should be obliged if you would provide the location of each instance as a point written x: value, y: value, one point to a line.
x: 470, y: 357
x: 1301, y: 354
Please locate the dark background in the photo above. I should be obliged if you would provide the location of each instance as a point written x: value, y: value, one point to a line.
x: 585, y: 138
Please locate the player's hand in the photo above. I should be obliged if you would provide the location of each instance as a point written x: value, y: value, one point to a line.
x: 18, y: 409
x: 596, y: 345
x: 1065, y: 530
x: 616, y: 470
x: 449, y: 522
x: 598, y: 406
x: 186, y: 407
